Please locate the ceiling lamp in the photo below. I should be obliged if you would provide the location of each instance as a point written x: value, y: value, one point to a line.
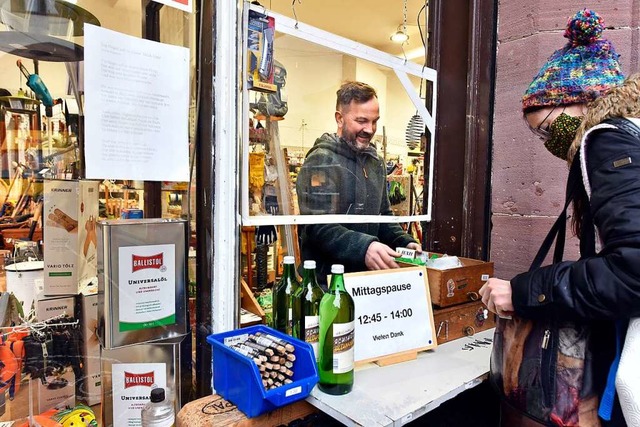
x: 401, y: 36
x: 43, y: 29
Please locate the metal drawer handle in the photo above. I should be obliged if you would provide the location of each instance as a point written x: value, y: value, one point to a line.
x: 473, y: 296
x: 469, y: 331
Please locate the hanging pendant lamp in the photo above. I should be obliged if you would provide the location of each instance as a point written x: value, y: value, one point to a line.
x: 43, y: 29
x: 415, y: 129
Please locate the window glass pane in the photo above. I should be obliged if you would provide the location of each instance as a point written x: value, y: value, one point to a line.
x: 284, y: 126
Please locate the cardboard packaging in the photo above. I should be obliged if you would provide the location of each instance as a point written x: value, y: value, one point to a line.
x: 70, y: 244
x: 60, y: 390
x: 89, y: 387
x: 53, y: 307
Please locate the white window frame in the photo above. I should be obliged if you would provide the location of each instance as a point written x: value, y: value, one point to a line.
x: 400, y: 66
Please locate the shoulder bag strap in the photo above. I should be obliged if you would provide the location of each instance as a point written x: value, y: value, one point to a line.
x: 558, y: 230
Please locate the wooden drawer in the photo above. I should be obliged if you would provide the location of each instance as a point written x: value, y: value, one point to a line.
x: 458, y: 285
x: 461, y: 320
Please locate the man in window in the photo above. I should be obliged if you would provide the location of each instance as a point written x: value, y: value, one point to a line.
x: 342, y: 174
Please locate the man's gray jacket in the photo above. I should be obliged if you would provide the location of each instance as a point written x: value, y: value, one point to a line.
x: 337, y: 179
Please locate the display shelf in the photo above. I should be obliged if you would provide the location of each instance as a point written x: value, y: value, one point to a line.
x: 397, y: 394
x: 115, y: 199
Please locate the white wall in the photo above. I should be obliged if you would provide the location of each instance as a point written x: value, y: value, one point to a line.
x: 313, y: 76
x: 314, y: 73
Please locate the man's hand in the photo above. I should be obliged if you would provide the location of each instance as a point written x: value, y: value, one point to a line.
x: 496, y: 295
x: 380, y: 257
x: 415, y: 246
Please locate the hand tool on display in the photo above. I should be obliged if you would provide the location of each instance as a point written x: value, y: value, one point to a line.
x: 23, y: 199
x: 36, y: 218
x: 35, y: 83
x: 16, y: 167
x: 265, y: 236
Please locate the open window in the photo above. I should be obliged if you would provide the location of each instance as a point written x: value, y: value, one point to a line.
x: 279, y: 125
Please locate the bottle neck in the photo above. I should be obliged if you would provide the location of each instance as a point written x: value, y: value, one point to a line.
x: 337, y: 283
x: 289, y: 270
x: 310, y: 276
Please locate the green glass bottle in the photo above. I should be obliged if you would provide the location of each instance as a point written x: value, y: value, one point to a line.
x: 283, y: 297
x: 336, y: 341
x: 306, y: 312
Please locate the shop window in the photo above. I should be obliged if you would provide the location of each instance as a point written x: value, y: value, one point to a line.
x: 42, y: 139
x: 283, y: 119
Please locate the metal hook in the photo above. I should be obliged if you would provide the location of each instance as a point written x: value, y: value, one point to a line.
x: 295, y: 15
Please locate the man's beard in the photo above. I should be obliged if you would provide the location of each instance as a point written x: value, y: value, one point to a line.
x: 350, y: 139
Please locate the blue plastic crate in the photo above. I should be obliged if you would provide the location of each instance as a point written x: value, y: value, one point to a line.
x: 237, y: 378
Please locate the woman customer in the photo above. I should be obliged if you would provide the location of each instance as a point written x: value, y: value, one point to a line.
x: 555, y: 341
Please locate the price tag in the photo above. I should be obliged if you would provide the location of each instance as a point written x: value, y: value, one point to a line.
x: 392, y: 312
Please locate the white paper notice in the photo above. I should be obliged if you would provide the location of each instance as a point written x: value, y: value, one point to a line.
x: 136, y: 108
x: 186, y: 5
x: 147, y: 286
x: 392, y: 311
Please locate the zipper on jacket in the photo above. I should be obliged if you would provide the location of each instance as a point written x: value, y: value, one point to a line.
x: 364, y: 171
x: 545, y: 339
x: 548, y: 365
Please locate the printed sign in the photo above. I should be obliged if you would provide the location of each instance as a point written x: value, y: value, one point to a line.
x: 185, y: 5
x: 132, y: 385
x: 393, y: 312
x: 147, y: 286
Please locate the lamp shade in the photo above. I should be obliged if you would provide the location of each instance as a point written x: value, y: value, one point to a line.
x: 43, y: 29
x: 50, y: 17
x: 399, y: 37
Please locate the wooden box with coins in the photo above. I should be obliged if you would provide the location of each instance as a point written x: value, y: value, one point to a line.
x: 69, y: 216
x: 462, y: 320
x: 460, y: 284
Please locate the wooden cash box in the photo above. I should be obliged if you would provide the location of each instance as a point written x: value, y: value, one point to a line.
x: 456, y: 285
x: 462, y: 320
x: 459, y: 284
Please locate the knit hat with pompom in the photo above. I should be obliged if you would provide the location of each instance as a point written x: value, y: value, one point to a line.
x: 582, y: 70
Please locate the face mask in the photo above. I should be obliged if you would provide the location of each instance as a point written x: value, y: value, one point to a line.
x: 563, y: 131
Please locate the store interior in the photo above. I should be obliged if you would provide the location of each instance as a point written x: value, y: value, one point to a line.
x: 42, y: 143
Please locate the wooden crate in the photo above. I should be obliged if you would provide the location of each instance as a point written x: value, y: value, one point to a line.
x: 458, y: 285
x: 461, y: 320
x: 10, y: 235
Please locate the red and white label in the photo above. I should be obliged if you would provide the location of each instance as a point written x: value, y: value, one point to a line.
x: 139, y: 262
x: 185, y: 5
x: 133, y: 380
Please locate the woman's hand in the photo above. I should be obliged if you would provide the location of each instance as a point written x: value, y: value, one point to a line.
x: 496, y: 295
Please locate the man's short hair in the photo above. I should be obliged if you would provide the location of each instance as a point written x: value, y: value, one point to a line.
x: 354, y: 91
